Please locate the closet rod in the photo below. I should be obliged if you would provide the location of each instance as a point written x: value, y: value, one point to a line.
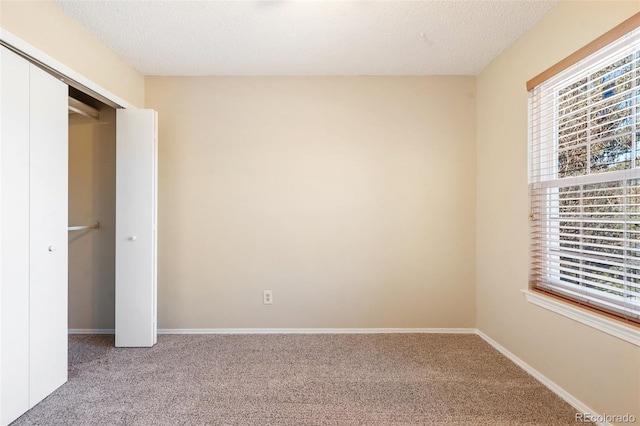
x: 80, y: 228
x: 81, y: 108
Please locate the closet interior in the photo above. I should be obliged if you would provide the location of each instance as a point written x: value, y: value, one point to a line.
x: 92, y: 213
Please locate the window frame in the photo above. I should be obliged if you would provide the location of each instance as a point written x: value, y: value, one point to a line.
x: 557, y: 301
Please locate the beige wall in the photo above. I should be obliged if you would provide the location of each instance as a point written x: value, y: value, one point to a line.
x: 600, y: 370
x: 92, y: 167
x: 352, y: 198
x: 45, y: 26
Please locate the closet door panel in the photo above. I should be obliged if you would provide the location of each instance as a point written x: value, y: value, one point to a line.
x: 14, y: 234
x: 136, y: 177
x: 48, y: 173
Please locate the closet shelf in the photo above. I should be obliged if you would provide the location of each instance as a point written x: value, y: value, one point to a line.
x: 81, y: 228
x: 77, y: 107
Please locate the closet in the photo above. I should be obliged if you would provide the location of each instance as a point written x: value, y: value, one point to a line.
x: 35, y: 235
x: 92, y: 214
x: 96, y: 144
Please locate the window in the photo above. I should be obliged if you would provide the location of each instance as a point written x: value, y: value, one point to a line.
x: 584, y: 179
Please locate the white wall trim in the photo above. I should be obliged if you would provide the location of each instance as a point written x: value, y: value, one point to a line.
x: 315, y: 330
x: 47, y: 60
x: 599, y: 322
x: 92, y: 331
x: 540, y: 377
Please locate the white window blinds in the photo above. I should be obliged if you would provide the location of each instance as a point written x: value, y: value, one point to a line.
x: 584, y: 179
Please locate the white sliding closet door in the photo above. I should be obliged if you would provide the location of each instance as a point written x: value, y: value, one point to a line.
x: 48, y: 174
x: 136, y: 217
x: 33, y: 199
x: 14, y: 235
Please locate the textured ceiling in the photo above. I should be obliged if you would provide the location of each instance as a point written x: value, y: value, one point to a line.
x: 307, y: 37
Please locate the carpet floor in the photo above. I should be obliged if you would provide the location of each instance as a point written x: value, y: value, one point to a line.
x: 315, y: 379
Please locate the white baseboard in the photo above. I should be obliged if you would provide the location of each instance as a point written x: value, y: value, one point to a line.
x: 92, y: 331
x: 314, y: 330
x: 570, y: 399
x: 288, y: 330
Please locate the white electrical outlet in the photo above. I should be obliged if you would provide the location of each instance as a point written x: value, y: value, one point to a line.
x: 267, y: 297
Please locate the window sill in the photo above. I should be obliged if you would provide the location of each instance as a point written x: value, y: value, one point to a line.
x: 606, y: 325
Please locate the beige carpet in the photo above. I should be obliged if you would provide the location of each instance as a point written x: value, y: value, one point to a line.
x: 388, y: 379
